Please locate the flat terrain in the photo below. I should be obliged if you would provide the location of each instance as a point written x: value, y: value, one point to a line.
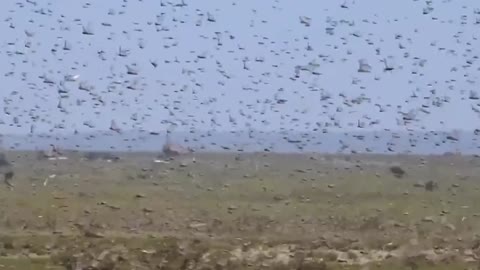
x: 245, y: 211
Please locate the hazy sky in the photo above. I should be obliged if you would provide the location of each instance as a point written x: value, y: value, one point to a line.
x: 203, y: 85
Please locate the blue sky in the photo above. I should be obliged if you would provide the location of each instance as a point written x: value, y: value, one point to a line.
x: 199, y: 84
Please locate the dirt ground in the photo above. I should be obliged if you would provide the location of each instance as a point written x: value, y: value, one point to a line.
x: 241, y: 211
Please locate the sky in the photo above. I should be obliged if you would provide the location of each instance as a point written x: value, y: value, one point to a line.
x: 231, y: 65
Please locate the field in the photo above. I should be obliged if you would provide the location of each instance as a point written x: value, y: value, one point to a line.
x: 241, y: 211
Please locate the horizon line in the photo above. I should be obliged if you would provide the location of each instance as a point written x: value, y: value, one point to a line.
x: 164, y: 132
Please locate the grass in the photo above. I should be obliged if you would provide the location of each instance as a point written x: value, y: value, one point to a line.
x: 27, y: 264
x: 339, y: 203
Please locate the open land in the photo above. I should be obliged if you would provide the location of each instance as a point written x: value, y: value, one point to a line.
x: 241, y: 211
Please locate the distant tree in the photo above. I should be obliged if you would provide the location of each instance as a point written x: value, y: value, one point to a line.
x: 397, y: 171
x: 431, y: 186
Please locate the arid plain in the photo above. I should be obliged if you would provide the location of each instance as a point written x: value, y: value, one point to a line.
x: 241, y: 211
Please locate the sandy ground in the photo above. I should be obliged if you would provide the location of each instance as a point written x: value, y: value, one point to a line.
x: 246, y: 211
